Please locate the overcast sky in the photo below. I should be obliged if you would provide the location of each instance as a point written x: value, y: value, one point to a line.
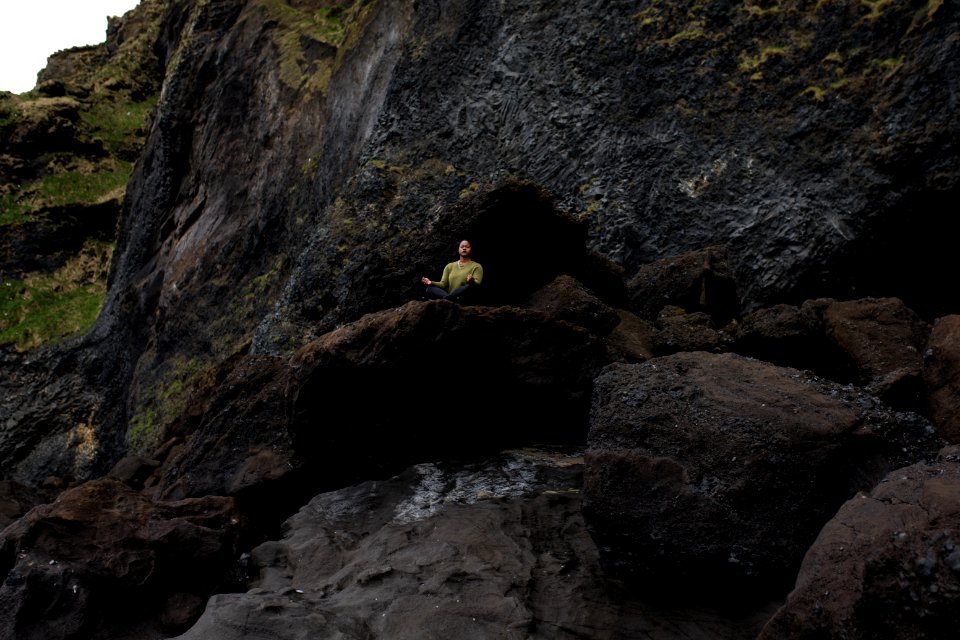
x: 32, y: 30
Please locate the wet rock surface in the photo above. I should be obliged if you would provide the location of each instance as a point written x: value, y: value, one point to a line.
x: 493, y: 549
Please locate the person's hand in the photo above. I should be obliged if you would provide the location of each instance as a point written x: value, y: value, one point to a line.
x: 426, y: 281
x: 470, y: 279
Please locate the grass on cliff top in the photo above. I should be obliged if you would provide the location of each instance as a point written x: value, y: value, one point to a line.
x: 63, y: 189
x: 334, y: 25
x: 45, y: 308
x: 118, y: 124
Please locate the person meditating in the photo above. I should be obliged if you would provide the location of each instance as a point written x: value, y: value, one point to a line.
x: 458, y: 277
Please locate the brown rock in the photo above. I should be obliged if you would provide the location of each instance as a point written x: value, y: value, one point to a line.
x: 941, y: 374
x: 885, y: 341
x: 424, y: 381
x: 886, y: 566
x: 103, y: 554
x: 631, y: 340
x: 15, y: 500
x: 568, y: 299
x: 788, y: 336
x: 681, y: 331
x: 696, y: 281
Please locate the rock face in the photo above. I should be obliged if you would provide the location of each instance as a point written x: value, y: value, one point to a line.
x: 304, y: 167
x: 648, y: 189
x: 429, y: 379
x: 493, y: 550
x: 706, y: 470
x: 102, y: 560
x: 887, y: 565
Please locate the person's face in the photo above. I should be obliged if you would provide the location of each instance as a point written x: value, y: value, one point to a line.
x: 465, y: 249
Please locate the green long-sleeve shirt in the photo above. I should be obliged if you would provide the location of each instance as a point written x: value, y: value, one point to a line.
x: 455, y: 275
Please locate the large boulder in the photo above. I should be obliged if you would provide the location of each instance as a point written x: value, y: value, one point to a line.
x: 884, y: 340
x: 886, y: 566
x: 425, y: 381
x: 790, y: 336
x: 705, y: 470
x: 697, y: 281
x: 565, y: 298
x: 103, y: 559
x: 495, y: 549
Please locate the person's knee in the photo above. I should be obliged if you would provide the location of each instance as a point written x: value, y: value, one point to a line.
x: 433, y: 292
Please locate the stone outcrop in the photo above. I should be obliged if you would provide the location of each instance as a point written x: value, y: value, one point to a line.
x: 423, y: 381
x: 490, y: 550
x: 886, y: 566
x: 102, y: 560
x: 705, y: 470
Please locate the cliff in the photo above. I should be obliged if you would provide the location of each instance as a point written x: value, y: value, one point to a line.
x: 773, y: 180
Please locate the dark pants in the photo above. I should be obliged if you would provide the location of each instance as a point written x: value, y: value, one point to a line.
x: 460, y: 294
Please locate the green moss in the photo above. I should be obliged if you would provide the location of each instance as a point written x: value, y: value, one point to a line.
x: 310, y: 166
x: 142, y: 431
x: 760, y: 12
x: 649, y: 16
x: 12, y: 210
x: 834, y: 57
x: 163, y: 403
x: 750, y: 63
x: 259, y: 284
x: 9, y: 113
x: 694, y: 31
x: 75, y: 187
x: 470, y: 190
x: 816, y: 93
x: 117, y: 124
x: 876, y: 8
x: 886, y: 68
x: 45, y: 308
x: 332, y: 25
x: 839, y: 84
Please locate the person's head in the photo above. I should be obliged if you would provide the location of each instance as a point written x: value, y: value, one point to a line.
x: 465, y: 249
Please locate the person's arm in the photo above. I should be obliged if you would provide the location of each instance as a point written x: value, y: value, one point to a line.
x: 444, y: 282
x: 476, y: 275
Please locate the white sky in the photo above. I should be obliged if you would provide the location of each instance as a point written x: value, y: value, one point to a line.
x: 32, y: 30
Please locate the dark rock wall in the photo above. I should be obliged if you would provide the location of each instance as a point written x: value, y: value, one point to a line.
x: 794, y: 136
x: 293, y: 181
x: 784, y: 132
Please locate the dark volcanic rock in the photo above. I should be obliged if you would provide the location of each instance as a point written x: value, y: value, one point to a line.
x: 567, y: 299
x: 491, y: 550
x: 789, y: 336
x: 706, y: 470
x: 301, y: 172
x: 699, y: 281
x: 886, y: 566
x: 102, y: 560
